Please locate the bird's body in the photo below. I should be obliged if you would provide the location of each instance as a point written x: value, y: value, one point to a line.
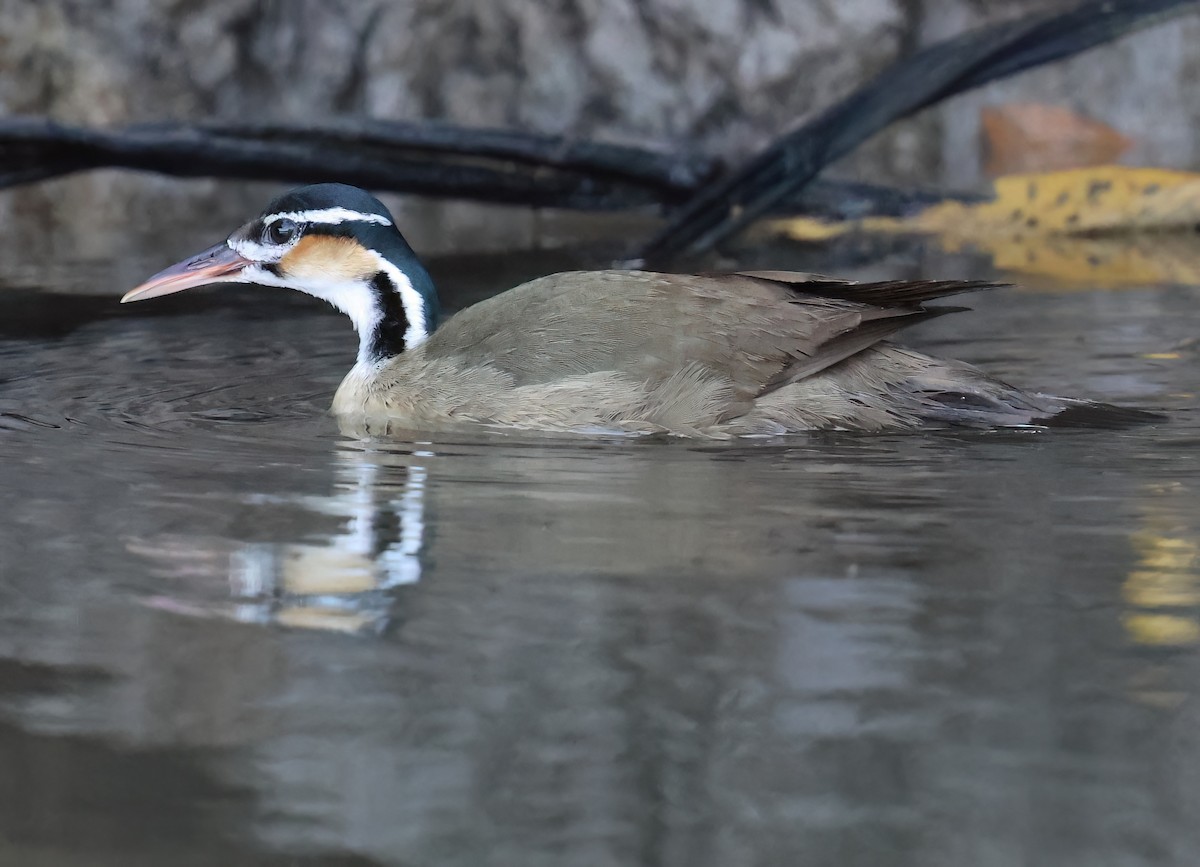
x: 684, y: 354
x: 755, y: 353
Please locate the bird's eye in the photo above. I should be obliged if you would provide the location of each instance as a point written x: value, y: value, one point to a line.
x: 282, y: 231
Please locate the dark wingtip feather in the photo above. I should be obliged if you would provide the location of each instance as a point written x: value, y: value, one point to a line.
x: 900, y: 292
x: 886, y: 293
x: 1086, y: 414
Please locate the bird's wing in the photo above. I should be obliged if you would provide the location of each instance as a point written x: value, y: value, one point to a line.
x: 757, y: 330
x: 886, y: 293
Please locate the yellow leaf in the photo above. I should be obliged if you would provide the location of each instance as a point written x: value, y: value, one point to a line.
x: 1162, y: 590
x: 1101, y: 226
x: 809, y: 228
x: 1075, y: 201
x: 1162, y: 629
x: 1139, y: 259
x: 1071, y: 202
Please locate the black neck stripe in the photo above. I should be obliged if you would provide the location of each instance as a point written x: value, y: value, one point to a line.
x: 387, y: 339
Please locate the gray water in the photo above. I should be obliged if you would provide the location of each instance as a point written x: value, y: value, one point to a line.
x: 230, y: 634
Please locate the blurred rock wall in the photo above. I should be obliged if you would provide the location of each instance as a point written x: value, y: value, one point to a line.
x: 720, y: 73
x: 723, y: 76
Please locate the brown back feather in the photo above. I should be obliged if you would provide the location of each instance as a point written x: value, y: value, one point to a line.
x: 755, y: 331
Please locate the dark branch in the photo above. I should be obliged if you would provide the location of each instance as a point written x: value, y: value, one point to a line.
x: 930, y: 75
x: 551, y: 171
x: 434, y: 159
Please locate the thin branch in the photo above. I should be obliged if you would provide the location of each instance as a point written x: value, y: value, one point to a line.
x: 924, y: 78
x: 436, y: 159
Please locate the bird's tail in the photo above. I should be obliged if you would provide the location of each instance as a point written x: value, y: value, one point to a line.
x: 1093, y: 414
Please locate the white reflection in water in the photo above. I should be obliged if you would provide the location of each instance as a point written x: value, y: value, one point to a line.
x: 339, y: 583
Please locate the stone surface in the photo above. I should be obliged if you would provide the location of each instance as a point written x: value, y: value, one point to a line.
x: 1140, y: 85
x: 722, y: 76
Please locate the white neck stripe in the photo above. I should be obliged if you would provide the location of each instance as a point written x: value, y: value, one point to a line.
x: 352, y: 297
x: 328, y: 217
x: 410, y: 298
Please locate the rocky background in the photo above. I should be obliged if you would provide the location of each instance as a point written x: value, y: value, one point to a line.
x: 721, y: 76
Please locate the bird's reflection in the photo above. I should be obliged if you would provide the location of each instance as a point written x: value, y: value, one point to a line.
x: 339, y: 580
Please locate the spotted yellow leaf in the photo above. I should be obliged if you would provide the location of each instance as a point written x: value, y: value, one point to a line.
x: 1074, y: 201
x: 1107, y: 225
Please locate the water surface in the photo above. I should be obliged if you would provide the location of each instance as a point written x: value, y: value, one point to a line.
x: 231, y: 634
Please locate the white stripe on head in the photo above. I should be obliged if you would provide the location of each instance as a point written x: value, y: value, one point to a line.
x: 270, y: 253
x: 328, y: 217
x: 257, y: 252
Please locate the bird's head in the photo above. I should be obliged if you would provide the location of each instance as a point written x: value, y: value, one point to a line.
x: 333, y: 241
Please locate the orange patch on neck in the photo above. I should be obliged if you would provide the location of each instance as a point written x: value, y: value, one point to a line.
x: 325, y: 258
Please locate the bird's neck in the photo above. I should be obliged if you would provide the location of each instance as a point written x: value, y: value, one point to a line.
x: 401, y: 314
x: 387, y: 333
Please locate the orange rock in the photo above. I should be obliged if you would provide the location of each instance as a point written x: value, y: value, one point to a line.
x: 1026, y: 137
